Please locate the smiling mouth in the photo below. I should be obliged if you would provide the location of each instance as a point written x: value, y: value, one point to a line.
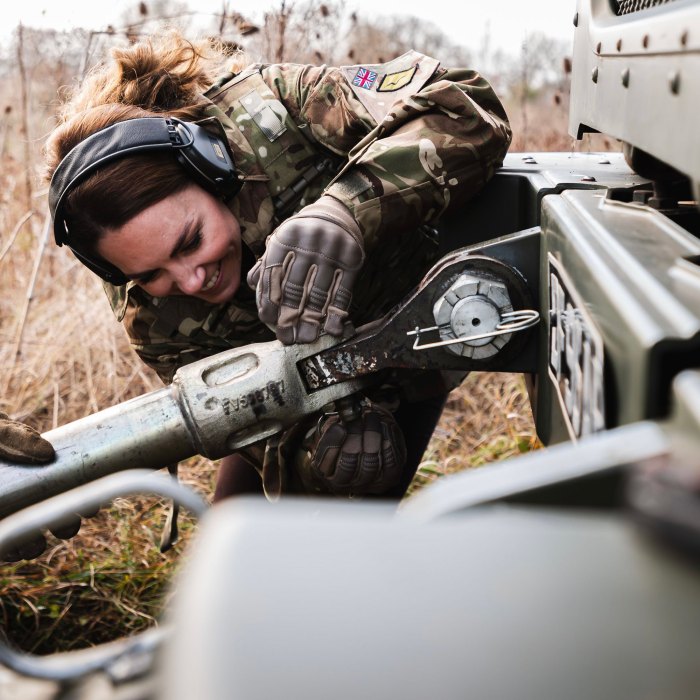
x: 213, y: 279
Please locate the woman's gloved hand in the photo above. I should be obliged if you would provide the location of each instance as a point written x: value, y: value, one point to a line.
x: 304, y: 279
x: 20, y: 443
x: 363, y: 454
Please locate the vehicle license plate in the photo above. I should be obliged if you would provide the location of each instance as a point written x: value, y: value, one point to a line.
x: 575, y: 356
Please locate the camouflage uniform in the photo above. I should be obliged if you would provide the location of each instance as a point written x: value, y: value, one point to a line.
x: 399, y: 144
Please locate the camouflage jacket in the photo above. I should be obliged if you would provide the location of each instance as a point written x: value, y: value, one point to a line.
x: 399, y: 144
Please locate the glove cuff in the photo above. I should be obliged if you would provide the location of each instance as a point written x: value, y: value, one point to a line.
x: 332, y: 209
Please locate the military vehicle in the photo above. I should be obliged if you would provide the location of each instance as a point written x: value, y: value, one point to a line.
x: 569, y: 572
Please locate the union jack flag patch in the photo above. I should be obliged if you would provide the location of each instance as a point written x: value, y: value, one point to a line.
x: 364, y: 78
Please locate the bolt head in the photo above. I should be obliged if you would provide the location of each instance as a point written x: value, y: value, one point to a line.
x: 472, y: 305
x: 475, y: 315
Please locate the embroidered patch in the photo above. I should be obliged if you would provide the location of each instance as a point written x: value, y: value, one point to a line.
x: 364, y: 78
x: 392, y: 82
x: 263, y: 115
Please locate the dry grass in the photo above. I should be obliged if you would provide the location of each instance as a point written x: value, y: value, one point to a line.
x: 542, y: 125
x: 488, y: 418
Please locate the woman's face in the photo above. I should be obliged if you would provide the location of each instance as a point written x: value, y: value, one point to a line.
x: 188, y: 243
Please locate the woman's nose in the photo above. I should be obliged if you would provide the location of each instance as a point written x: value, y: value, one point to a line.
x: 189, y: 278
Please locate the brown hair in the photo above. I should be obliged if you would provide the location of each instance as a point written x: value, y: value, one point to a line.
x: 162, y: 76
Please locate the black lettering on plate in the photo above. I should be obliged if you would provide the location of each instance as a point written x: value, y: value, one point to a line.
x: 575, y: 356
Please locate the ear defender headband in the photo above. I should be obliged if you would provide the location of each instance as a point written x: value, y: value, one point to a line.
x: 205, y: 157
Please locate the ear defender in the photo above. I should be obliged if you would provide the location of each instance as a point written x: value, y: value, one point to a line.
x: 205, y: 157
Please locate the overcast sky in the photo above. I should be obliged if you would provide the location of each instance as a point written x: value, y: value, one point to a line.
x: 465, y: 21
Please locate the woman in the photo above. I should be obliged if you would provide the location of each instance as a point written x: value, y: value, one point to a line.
x: 331, y: 173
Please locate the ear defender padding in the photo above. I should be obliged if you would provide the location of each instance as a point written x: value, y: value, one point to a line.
x: 205, y: 158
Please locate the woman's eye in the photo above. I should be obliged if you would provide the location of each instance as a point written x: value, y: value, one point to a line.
x: 146, y: 279
x: 193, y: 243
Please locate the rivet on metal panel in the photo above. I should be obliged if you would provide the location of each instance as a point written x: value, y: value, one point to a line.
x: 598, y: 47
x: 576, y: 20
x: 594, y: 75
x: 588, y: 178
x: 684, y: 38
x: 618, y: 46
x: 626, y: 77
x: 604, y: 161
x: 645, y: 41
x: 674, y: 82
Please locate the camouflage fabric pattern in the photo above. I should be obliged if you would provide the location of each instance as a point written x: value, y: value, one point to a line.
x: 442, y: 136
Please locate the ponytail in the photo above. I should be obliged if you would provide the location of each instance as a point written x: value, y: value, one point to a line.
x: 165, y: 73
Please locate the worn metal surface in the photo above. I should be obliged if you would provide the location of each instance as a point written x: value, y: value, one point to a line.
x: 213, y: 406
x: 646, y: 64
x: 234, y: 399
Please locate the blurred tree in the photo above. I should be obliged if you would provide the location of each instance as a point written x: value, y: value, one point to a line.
x: 538, y: 65
x: 33, y: 66
x: 387, y: 37
x: 539, y: 71
x: 309, y: 32
x: 147, y: 17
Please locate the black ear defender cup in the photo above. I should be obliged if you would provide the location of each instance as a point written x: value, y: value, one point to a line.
x: 204, y: 156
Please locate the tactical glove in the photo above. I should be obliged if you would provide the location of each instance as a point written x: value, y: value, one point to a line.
x: 306, y: 275
x: 357, y: 456
x: 20, y: 443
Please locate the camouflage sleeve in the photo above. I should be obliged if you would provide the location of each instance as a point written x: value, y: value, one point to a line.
x: 430, y: 150
x: 154, y: 348
x: 320, y: 99
x: 160, y: 352
x: 170, y: 332
x: 433, y: 151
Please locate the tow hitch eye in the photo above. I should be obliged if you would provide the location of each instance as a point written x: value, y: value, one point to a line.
x: 475, y: 318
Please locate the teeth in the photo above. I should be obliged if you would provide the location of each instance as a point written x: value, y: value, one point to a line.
x: 213, y: 280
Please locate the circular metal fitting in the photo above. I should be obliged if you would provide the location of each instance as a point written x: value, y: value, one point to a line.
x: 473, y: 306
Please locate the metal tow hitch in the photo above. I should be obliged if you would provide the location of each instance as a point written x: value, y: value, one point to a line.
x: 475, y: 318
x: 477, y: 307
